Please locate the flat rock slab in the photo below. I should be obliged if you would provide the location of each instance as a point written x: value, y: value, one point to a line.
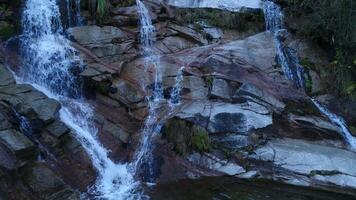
x: 17, y: 142
x: 323, y: 163
x: 230, y: 5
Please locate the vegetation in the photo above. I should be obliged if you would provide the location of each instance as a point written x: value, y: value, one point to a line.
x: 99, y: 9
x: 185, y: 136
x: 200, y: 140
x: 331, y: 24
x: 231, y: 20
x: 6, y: 26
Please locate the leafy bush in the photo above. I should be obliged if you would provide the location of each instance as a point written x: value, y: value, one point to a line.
x: 200, y: 140
x: 332, y: 24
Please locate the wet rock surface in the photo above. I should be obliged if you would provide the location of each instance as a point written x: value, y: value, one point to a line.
x: 35, y: 146
x: 238, y: 115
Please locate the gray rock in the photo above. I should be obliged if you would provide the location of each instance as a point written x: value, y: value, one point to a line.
x: 214, y: 163
x: 85, y: 35
x: 126, y: 93
x: 227, y: 118
x: 18, y: 143
x: 116, y: 131
x: 45, y: 183
x: 258, y: 50
x: 90, y: 72
x: 213, y: 33
x: 189, y: 33
x: 4, y: 123
x: 46, y: 109
x: 314, y: 122
x: 317, y: 85
x: 220, y: 89
x: 57, y: 129
x: 6, y: 77
x: 302, y: 157
x: 175, y: 44
x: 251, y: 92
x: 233, y: 6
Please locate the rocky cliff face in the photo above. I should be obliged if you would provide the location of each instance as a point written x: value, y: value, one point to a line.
x: 238, y: 115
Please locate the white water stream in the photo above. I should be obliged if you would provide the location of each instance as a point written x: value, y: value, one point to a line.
x: 50, y: 65
x: 288, y: 59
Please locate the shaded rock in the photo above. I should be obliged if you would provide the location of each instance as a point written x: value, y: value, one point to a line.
x: 313, y: 122
x: 227, y: 118
x: 6, y: 77
x: 57, y: 129
x: 214, y: 163
x: 258, y: 50
x: 46, y: 109
x: 117, y: 132
x: 189, y: 33
x: 86, y: 35
x: 18, y: 143
x: 303, y: 157
x: 175, y: 44
x: 234, y: 6
x: 45, y: 183
x: 213, y: 33
x: 124, y: 20
x: 126, y: 93
x: 251, y: 92
x: 220, y: 89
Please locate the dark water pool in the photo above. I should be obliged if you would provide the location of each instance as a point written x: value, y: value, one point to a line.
x: 229, y: 188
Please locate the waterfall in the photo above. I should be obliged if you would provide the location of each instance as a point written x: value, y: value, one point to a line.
x: 289, y: 61
x: 340, y: 122
x: 175, y: 94
x: 51, y: 65
x: 73, y: 13
x: 143, y: 157
x: 286, y: 57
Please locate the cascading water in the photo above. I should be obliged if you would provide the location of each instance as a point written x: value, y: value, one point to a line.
x: 286, y: 57
x: 144, y: 158
x: 51, y: 64
x: 175, y: 94
x: 340, y: 122
x: 73, y: 13
x: 289, y: 61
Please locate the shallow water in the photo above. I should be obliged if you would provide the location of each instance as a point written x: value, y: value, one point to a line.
x: 221, y: 188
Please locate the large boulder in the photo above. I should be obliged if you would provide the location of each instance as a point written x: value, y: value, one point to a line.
x: 45, y: 184
x: 86, y: 35
x: 317, y: 162
x: 18, y: 143
x: 220, y: 117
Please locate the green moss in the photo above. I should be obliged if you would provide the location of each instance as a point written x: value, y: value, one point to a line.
x: 124, y: 3
x: 323, y: 173
x: 221, y: 18
x: 353, y: 129
x: 185, y: 136
x: 200, y: 140
x: 178, y: 132
x: 6, y: 30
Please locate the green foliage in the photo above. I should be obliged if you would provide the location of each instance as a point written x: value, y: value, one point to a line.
x: 124, y: 3
x: 200, y: 140
x: 222, y: 19
x: 102, y: 8
x: 332, y: 24
x: 99, y: 9
x: 6, y: 29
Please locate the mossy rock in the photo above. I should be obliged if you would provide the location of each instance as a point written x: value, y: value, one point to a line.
x: 6, y: 29
x: 200, y: 139
x: 185, y: 136
x: 231, y: 20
